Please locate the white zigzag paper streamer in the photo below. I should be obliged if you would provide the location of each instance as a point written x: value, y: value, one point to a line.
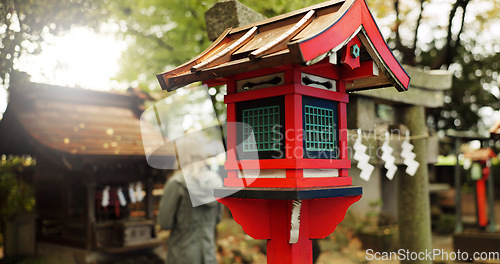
x: 362, y: 158
x: 388, y: 158
x: 138, y: 191
x: 131, y: 193
x: 105, y: 197
x: 121, y: 197
x: 409, y: 156
x: 295, y: 222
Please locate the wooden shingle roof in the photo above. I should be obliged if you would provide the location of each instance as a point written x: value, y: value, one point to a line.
x: 302, y: 37
x: 73, y: 121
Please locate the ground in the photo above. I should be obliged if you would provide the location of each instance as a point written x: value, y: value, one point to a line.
x: 234, y: 246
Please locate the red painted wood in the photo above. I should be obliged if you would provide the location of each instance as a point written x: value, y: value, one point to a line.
x: 232, y: 174
x: 285, y: 90
x: 279, y: 250
x: 482, y: 218
x: 343, y: 131
x: 231, y: 112
x: 294, y: 173
x: 348, y: 59
x: 326, y: 214
x: 323, y: 182
x: 323, y: 164
x: 292, y: 76
x: 271, y: 219
x: 322, y: 69
x: 259, y: 94
x: 321, y: 93
x: 342, y: 118
x: 263, y: 164
x: 365, y: 70
x: 302, y: 250
x: 288, y: 164
x: 357, y: 15
x: 288, y: 182
x: 293, y: 127
x: 231, y: 140
x: 252, y: 214
x: 260, y: 182
x: 341, y: 86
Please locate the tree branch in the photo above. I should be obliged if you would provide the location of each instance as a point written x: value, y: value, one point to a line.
x: 408, y: 53
x: 450, y: 49
x: 419, y: 20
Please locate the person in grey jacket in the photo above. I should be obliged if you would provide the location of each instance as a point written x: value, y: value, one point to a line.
x: 189, y: 210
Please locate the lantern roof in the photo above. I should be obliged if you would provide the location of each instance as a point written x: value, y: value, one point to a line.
x: 303, y: 37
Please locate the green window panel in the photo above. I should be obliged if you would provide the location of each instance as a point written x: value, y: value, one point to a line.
x: 263, y: 121
x: 319, y: 128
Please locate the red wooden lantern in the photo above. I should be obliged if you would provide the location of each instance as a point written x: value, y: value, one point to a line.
x: 287, y: 81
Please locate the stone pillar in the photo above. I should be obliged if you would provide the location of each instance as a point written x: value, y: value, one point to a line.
x: 226, y: 14
x: 413, y: 192
x: 360, y: 113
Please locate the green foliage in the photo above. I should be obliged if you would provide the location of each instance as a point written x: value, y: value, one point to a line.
x: 165, y: 34
x: 15, y: 194
x: 471, y: 91
x: 459, y: 38
x: 161, y: 34
x: 445, y: 224
x: 24, y: 24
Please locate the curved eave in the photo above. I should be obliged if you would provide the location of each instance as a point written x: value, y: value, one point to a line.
x: 355, y: 17
x: 227, y: 69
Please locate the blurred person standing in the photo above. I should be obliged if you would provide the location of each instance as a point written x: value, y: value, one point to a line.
x: 188, y: 207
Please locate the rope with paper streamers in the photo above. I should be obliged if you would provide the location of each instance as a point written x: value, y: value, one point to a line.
x: 407, y: 153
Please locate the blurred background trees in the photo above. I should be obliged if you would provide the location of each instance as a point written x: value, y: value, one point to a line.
x: 459, y: 36
x: 24, y: 24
